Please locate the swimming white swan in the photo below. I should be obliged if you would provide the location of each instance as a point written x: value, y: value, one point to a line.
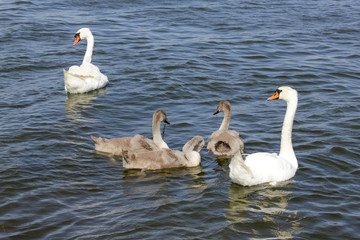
x: 138, y: 143
x: 87, y: 77
x: 166, y: 158
x: 224, y: 142
x: 265, y: 167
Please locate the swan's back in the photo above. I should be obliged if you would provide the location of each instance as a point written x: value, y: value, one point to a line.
x: 260, y: 168
x: 269, y: 167
x: 225, y: 143
x: 139, y: 143
x: 78, y: 80
x: 166, y: 158
x: 113, y: 146
x: 161, y: 159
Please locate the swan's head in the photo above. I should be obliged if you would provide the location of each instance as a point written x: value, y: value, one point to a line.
x: 223, y: 106
x: 194, y: 158
x: 160, y: 116
x: 284, y: 93
x: 191, y: 150
x: 81, y: 34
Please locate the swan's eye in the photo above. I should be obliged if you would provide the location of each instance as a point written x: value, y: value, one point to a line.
x: 77, y: 35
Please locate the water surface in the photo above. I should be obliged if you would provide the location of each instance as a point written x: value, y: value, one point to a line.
x: 182, y: 57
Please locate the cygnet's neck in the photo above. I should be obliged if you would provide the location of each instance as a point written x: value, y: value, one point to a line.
x: 226, y: 121
x: 89, y: 49
x: 157, y: 135
x: 191, y: 150
x: 286, y: 148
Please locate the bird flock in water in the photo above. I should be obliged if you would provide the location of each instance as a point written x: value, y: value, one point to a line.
x: 139, y: 152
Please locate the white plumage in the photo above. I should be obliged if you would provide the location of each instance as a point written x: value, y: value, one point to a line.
x: 265, y: 167
x: 87, y: 76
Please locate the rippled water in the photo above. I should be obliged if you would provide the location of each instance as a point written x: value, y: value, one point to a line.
x: 182, y: 57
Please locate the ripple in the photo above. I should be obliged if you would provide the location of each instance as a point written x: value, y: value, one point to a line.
x: 182, y: 58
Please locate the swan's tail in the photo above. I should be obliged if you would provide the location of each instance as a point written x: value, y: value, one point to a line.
x: 239, y: 172
x: 98, y: 140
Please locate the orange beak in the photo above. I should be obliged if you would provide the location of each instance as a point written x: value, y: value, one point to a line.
x: 275, y: 96
x: 77, y: 39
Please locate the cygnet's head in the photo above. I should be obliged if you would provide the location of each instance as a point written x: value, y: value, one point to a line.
x: 223, y: 106
x: 160, y: 116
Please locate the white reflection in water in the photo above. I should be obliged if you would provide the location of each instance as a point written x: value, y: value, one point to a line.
x: 77, y: 103
x: 263, y: 205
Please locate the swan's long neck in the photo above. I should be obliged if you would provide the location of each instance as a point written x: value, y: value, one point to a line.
x: 195, y: 144
x: 89, y: 49
x: 191, y: 150
x: 226, y: 121
x: 286, y: 148
x: 157, y: 134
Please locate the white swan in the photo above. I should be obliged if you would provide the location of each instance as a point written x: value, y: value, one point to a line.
x: 138, y: 143
x: 87, y: 77
x: 224, y: 142
x: 269, y: 167
x: 166, y: 158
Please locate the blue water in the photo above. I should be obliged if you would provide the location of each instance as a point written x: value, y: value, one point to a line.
x: 182, y: 57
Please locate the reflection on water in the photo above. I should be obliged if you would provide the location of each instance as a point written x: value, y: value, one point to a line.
x: 265, y: 206
x: 163, y: 178
x: 55, y: 187
x: 131, y: 175
x: 223, y: 162
x: 77, y: 103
